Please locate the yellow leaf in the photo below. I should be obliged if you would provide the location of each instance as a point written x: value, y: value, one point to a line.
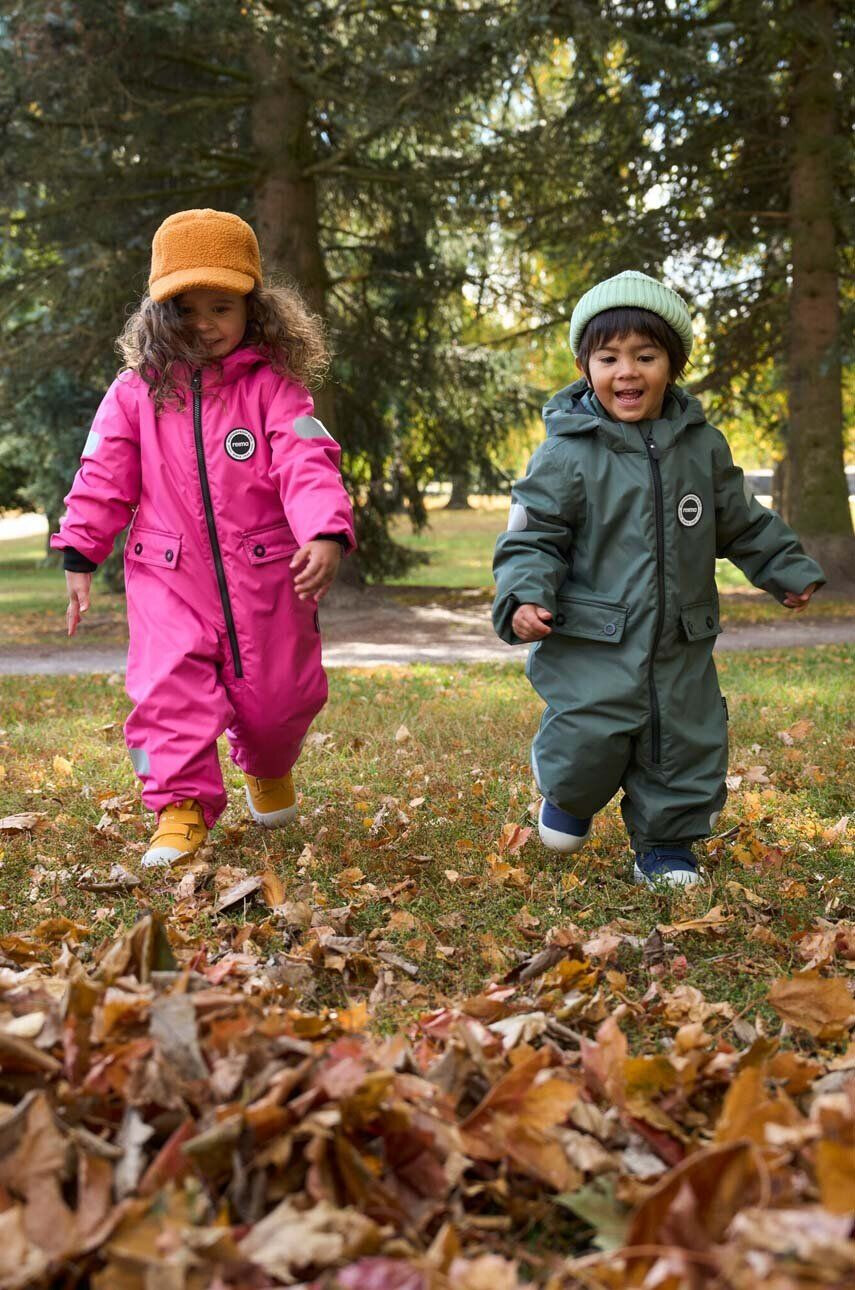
x: 349, y: 877
x: 710, y: 922
x: 63, y: 767
x: 354, y: 1018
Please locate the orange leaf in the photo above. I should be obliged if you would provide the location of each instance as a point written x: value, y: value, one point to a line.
x: 820, y: 1005
x: 272, y: 888
x: 835, y: 1171
x: 513, y: 838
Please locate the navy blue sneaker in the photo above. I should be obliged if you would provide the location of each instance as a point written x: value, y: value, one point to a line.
x: 671, y: 866
x: 561, y: 831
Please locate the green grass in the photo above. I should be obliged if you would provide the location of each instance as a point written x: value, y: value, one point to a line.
x: 457, y: 780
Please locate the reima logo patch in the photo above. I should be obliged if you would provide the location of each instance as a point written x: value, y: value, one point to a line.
x: 240, y: 443
x: 689, y: 510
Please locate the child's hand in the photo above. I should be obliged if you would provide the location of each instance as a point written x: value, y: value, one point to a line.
x: 78, y: 585
x: 531, y: 622
x: 797, y: 600
x: 320, y: 559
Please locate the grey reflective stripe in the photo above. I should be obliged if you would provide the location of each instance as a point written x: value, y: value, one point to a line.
x: 311, y: 428
x: 92, y: 441
x: 517, y: 518
x: 139, y: 760
x: 747, y: 489
x: 534, y: 770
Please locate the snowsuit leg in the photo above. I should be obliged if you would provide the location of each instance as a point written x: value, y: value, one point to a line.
x: 674, y: 801
x: 575, y: 767
x: 596, y: 738
x: 283, y: 687
x: 181, y: 706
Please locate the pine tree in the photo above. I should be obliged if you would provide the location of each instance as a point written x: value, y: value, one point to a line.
x: 350, y: 135
x: 748, y: 107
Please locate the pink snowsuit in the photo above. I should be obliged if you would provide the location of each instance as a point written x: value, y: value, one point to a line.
x: 221, y: 494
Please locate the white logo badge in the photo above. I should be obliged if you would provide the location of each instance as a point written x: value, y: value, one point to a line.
x: 240, y: 444
x: 689, y: 510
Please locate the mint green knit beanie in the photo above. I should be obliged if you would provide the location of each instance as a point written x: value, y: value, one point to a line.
x: 632, y: 290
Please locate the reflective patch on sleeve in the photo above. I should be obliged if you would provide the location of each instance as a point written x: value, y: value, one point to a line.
x: 535, y: 769
x: 517, y: 518
x: 92, y: 441
x: 747, y: 490
x: 139, y: 760
x: 310, y: 428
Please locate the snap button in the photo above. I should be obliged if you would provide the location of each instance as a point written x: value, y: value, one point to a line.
x: 609, y: 629
x: 709, y: 620
x: 259, y: 550
x: 560, y: 620
x: 137, y: 548
x: 169, y: 556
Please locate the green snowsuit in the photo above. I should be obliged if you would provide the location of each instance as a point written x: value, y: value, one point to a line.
x: 615, y: 529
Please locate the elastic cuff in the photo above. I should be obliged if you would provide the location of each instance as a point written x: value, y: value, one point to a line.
x: 341, y: 538
x: 73, y: 561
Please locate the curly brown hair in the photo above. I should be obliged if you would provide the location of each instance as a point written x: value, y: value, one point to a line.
x: 156, y: 343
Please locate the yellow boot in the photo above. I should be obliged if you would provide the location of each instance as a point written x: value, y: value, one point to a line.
x: 271, y: 802
x: 181, y: 830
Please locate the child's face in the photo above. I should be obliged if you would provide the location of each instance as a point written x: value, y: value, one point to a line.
x: 217, y: 317
x: 629, y: 376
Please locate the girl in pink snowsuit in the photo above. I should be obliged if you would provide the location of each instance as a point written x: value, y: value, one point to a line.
x: 208, y: 442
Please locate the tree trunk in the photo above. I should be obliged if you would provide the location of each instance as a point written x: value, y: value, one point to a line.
x: 459, y: 499
x: 286, y: 204
x: 52, y: 559
x: 816, y: 495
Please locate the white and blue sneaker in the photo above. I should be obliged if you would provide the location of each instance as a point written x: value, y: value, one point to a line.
x: 561, y: 831
x: 666, y: 866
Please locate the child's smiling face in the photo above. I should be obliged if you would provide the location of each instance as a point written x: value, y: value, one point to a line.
x: 629, y: 375
x: 217, y: 317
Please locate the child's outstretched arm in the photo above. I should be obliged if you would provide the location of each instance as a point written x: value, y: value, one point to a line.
x: 532, y: 557
x: 757, y: 540
x: 78, y: 585
x: 106, y: 488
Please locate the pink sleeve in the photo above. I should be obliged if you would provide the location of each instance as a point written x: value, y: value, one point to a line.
x: 106, y: 488
x: 306, y: 466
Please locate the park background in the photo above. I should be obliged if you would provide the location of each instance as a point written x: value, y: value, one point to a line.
x: 407, y: 991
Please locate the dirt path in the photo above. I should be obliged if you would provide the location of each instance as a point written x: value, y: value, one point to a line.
x: 375, y: 629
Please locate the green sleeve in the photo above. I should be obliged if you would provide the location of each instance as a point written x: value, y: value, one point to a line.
x: 755, y: 538
x: 532, y: 557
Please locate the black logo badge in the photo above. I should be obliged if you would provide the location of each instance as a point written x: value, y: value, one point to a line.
x: 689, y: 510
x: 240, y: 443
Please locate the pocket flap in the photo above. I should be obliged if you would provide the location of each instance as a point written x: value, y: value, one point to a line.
x: 700, y: 620
x: 271, y: 543
x: 150, y: 546
x: 594, y: 620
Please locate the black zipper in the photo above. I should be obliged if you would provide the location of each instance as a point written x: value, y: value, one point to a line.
x: 196, y: 386
x: 659, y: 512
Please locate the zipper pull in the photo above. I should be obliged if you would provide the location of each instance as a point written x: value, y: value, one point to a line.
x: 652, y: 449
x: 196, y: 381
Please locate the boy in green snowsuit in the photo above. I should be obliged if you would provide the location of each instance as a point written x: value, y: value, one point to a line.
x: 608, y: 569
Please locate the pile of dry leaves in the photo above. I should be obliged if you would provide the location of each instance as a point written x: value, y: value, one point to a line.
x: 178, y: 1119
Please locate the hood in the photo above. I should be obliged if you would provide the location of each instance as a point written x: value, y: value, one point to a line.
x: 231, y: 368
x: 577, y: 410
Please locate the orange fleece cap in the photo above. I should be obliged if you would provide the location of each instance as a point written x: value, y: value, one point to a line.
x: 203, y: 248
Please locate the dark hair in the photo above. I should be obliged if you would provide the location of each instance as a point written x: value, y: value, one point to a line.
x: 614, y: 324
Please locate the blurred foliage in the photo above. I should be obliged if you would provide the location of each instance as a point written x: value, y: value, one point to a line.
x: 476, y: 167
